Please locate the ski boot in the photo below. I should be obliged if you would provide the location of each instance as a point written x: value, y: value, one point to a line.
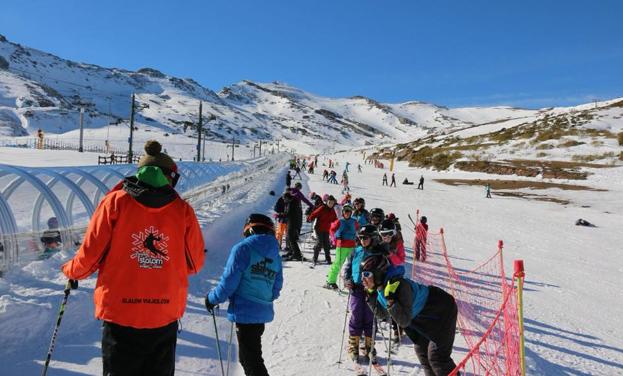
x: 332, y: 286
x: 370, y: 352
x: 353, y: 348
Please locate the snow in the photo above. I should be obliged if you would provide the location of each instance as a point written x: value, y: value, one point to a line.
x: 572, y: 296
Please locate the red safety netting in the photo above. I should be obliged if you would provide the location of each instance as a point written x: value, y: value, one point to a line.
x: 487, y: 305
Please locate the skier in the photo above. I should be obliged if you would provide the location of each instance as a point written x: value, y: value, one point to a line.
x: 288, y: 179
x: 376, y: 216
x: 421, y: 184
x: 325, y: 175
x: 298, y: 195
x: 359, y: 167
x: 324, y: 215
x: 51, y: 240
x: 384, y: 179
x: 140, y: 294
x: 346, y: 166
x: 332, y: 177
x: 280, y: 216
x: 392, y: 217
x: 344, y: 230
x: 294, y: 216
x: 360, y: 214
x: 393, y: 183
x: 345, y: 187
x: 421, y: 234
x: 252, y: 281
x: 392, y: 236
x: 361, y: 317
x: 488, y: 190
x: 427, y: 313
x: 297, y: 171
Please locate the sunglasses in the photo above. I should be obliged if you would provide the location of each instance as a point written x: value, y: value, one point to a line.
x: 367, y: 274
x: 364, y: 237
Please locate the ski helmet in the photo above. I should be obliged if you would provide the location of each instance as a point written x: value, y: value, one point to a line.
x: 377, y: 213
x: 387, y: 227
x: 258, y: 224
x: 423, y: 219
x: 378, y: 265
x: 347, y: 208
x: 298, y: 185
x: 360, y: 200
x: 369, y: 231
x: 312, y: 195
x: 325, y: 197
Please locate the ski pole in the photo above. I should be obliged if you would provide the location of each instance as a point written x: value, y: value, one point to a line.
x: 61, y: 311
x: 389, y: 352
x: 372, y: 349
x: 229, y: 346
x: 344, y: 327
x: 411, y: 219
x: 218, y: 344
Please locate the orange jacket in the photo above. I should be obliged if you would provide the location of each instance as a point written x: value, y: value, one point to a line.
x: 144, y: 256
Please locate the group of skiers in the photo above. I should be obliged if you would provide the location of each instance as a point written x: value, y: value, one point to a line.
x: 143, y: 266
x: 370, y: 257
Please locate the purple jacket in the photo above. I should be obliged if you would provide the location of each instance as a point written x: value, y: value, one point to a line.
x: 300, y: 196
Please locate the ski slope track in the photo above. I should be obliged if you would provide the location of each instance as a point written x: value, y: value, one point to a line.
x: 573, y: 315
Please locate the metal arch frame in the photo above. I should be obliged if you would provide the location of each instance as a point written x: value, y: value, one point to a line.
x: 9, y: 229
x: 102, y: 189
x: 55, y: 204
x: 73, y: 188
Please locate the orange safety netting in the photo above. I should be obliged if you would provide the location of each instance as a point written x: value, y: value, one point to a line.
x: 487, y: 305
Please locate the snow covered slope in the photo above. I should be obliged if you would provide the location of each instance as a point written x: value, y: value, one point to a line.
x: 42, y: 91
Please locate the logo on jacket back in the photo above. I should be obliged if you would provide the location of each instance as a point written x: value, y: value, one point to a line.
x: 149, y: 248
x: 261, y: 270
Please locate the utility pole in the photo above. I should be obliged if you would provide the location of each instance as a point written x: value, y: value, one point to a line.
x: 81, y: 147
x: 199, y: 130
x: 130, y: 155
x: 209, y: 119
x: 233, y: 145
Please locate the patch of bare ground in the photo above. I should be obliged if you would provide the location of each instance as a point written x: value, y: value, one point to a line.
x: 558, y: 164
x: 518, y: 184
x: 501, y: 187
x: 531, y: 196
x: 532, y: 168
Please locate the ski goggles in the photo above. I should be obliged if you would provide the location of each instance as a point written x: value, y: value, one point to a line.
x: 367, y: 274
x: 387, y: 233
x: 364, y: 237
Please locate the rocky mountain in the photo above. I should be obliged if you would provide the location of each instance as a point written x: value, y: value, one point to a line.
x: 41, y: 91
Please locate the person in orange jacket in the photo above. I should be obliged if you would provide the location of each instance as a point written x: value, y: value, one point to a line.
x: 144, y: 240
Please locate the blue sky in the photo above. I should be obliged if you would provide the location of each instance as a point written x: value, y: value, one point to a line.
x: 455, y: 53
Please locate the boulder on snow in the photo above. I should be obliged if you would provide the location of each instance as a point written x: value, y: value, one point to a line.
x: 151, y: 72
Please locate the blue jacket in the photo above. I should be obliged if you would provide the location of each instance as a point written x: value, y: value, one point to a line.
x: 347, y: 230
x: 252, y: 280
x: 420, y: 292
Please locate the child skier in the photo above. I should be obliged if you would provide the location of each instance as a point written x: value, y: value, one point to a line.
x: 392, y: 236
x: 384, y: 179
x: 427, y: 313
x: 252, y: 280
x: 324, y: 216
x: 361, y: 214
x: 377, y: 215
x: 361, y: 318
x: 421, y: 235
x: 344, y: 230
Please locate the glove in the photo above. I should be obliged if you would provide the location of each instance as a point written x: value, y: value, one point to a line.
x: 209, y: 306
x: 390, y: 291
x: 72, y: 284
x: 349, y: 284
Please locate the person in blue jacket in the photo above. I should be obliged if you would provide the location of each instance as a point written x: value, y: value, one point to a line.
x: 427, y: 313
x: 252, y: 280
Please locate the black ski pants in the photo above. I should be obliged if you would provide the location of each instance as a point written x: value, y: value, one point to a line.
x: 435, y: 357
x: 136, y: 352
x: 322, y: 241
x: 250, y: 349
x: 292, y: 240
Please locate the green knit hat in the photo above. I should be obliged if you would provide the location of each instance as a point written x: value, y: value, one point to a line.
x: 154, y: 157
